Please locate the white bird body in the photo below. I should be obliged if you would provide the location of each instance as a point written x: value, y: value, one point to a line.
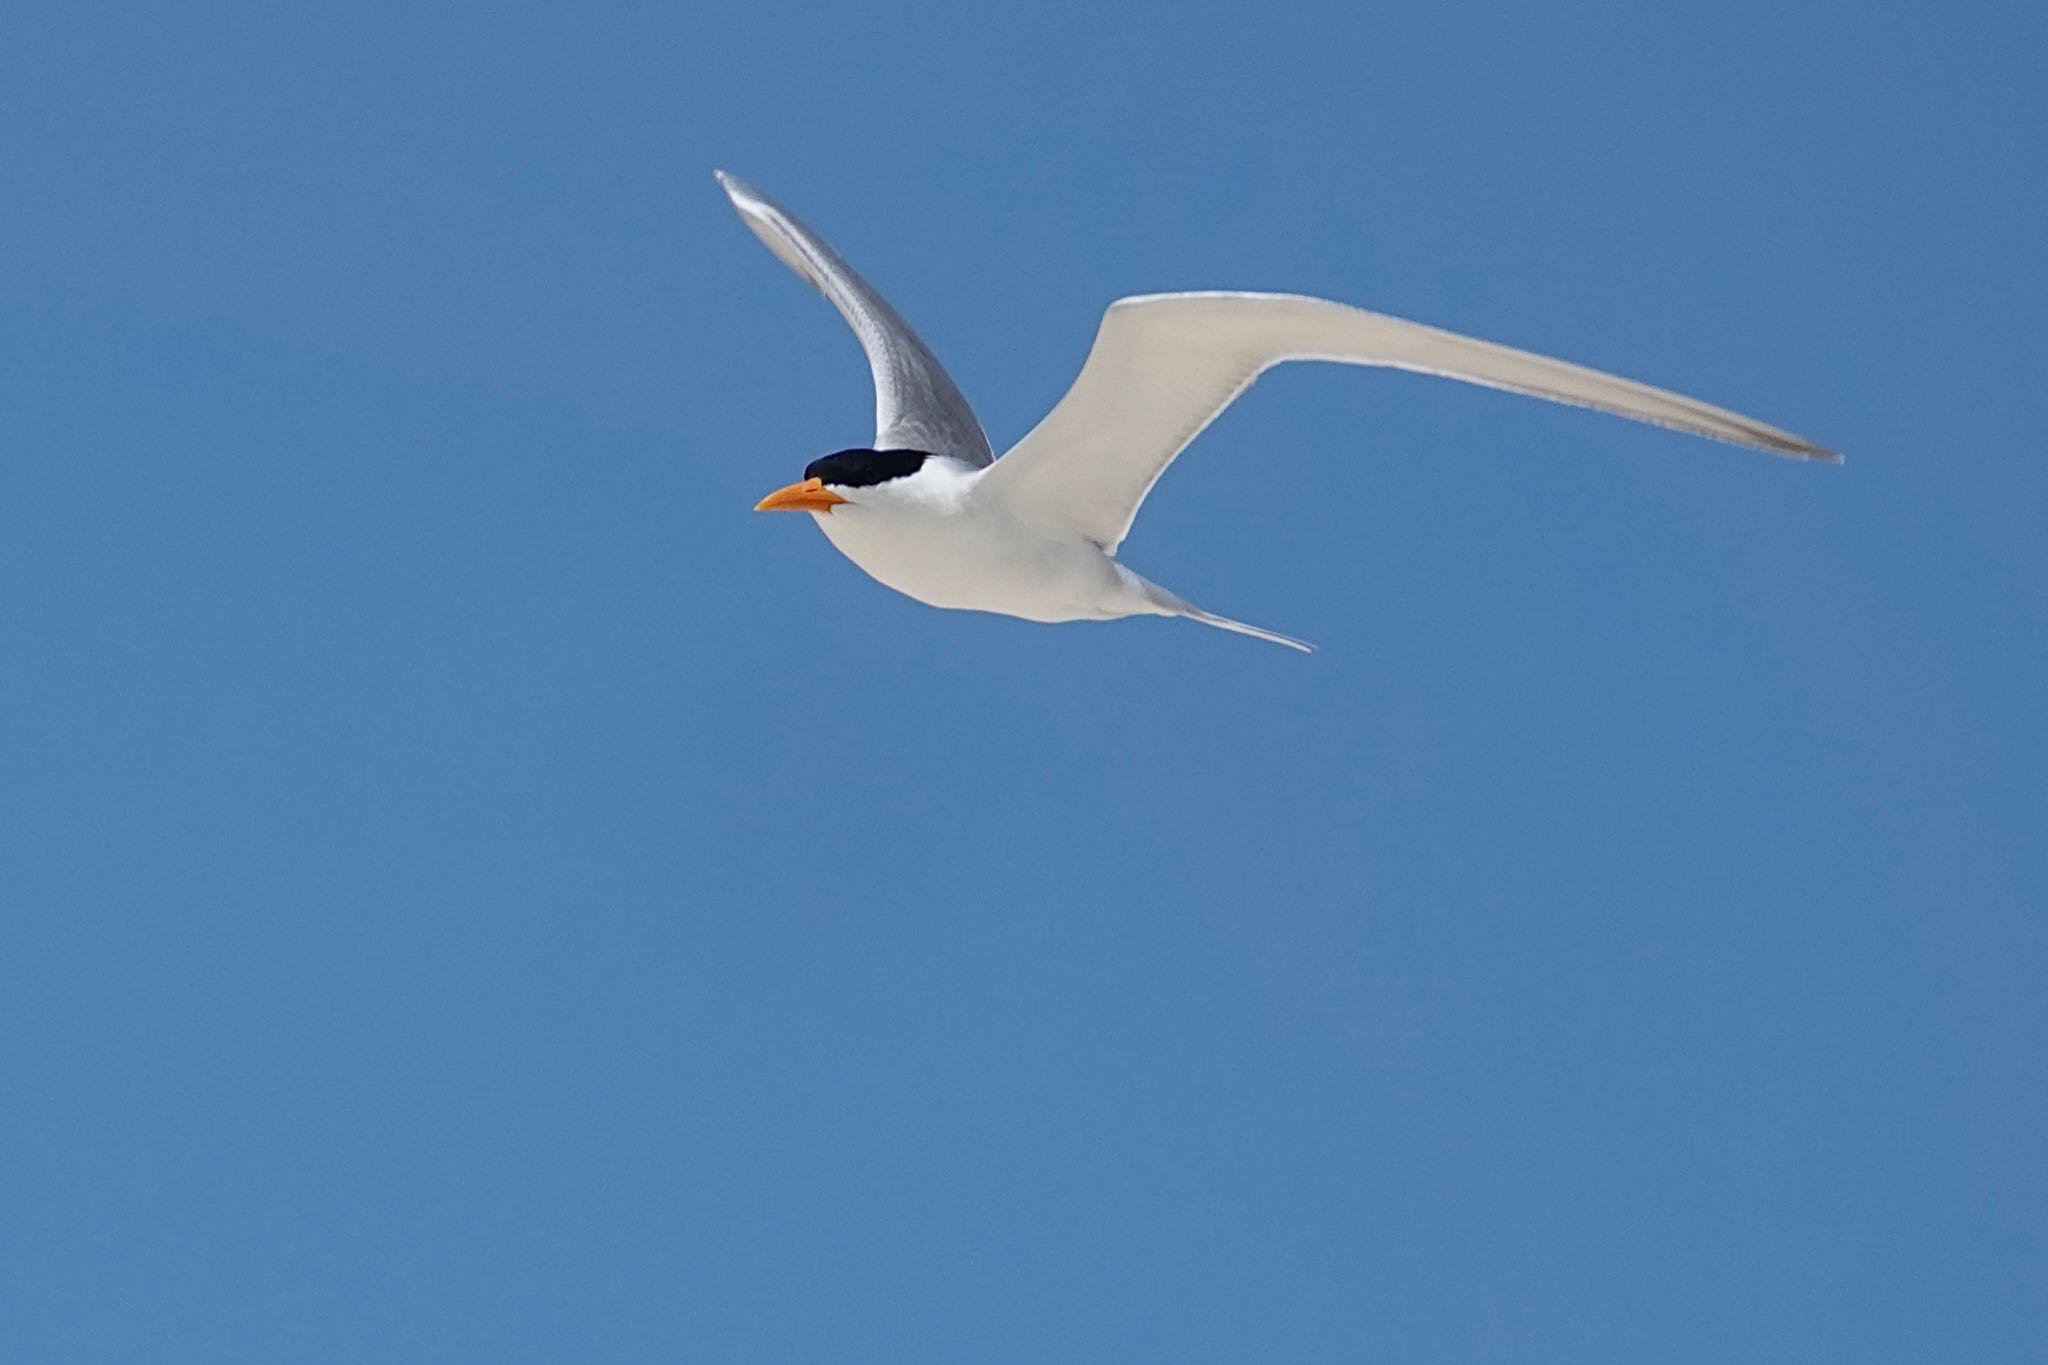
x: 937, y: 536
x: 932, y: 514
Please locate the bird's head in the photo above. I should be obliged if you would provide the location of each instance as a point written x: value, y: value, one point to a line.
x: 846, y: 476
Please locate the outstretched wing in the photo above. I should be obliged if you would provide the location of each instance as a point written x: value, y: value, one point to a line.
x: 917, y: 406
x: 1164, y: 365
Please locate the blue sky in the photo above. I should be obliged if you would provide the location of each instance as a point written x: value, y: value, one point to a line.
x: 473, y: 891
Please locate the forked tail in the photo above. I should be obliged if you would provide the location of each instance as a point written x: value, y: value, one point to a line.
x: 1225, y: 623
x: 1165, y: 603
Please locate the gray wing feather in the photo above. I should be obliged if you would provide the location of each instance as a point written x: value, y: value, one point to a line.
x: 1164, y: 365
x: 917, y: 405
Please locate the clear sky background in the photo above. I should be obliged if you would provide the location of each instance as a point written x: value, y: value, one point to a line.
x: 474, y: 891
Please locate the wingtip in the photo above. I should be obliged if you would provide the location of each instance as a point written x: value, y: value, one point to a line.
x: 1798, y: 448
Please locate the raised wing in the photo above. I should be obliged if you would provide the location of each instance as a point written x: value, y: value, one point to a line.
x: 917, y: 406
x: 1164, y: 365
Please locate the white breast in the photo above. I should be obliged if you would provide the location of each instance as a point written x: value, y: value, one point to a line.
x: 929, y: 538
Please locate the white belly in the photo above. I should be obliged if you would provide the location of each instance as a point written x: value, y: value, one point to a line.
x: 973, y: 562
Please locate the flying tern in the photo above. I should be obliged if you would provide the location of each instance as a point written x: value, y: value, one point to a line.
x: 930, y: 511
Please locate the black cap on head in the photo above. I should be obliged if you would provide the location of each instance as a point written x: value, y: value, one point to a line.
x: 864, y: 468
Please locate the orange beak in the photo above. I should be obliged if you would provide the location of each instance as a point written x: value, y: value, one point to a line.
x: 808, y: 496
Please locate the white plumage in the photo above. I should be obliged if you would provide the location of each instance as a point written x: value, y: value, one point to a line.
x: 1034, y: 534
